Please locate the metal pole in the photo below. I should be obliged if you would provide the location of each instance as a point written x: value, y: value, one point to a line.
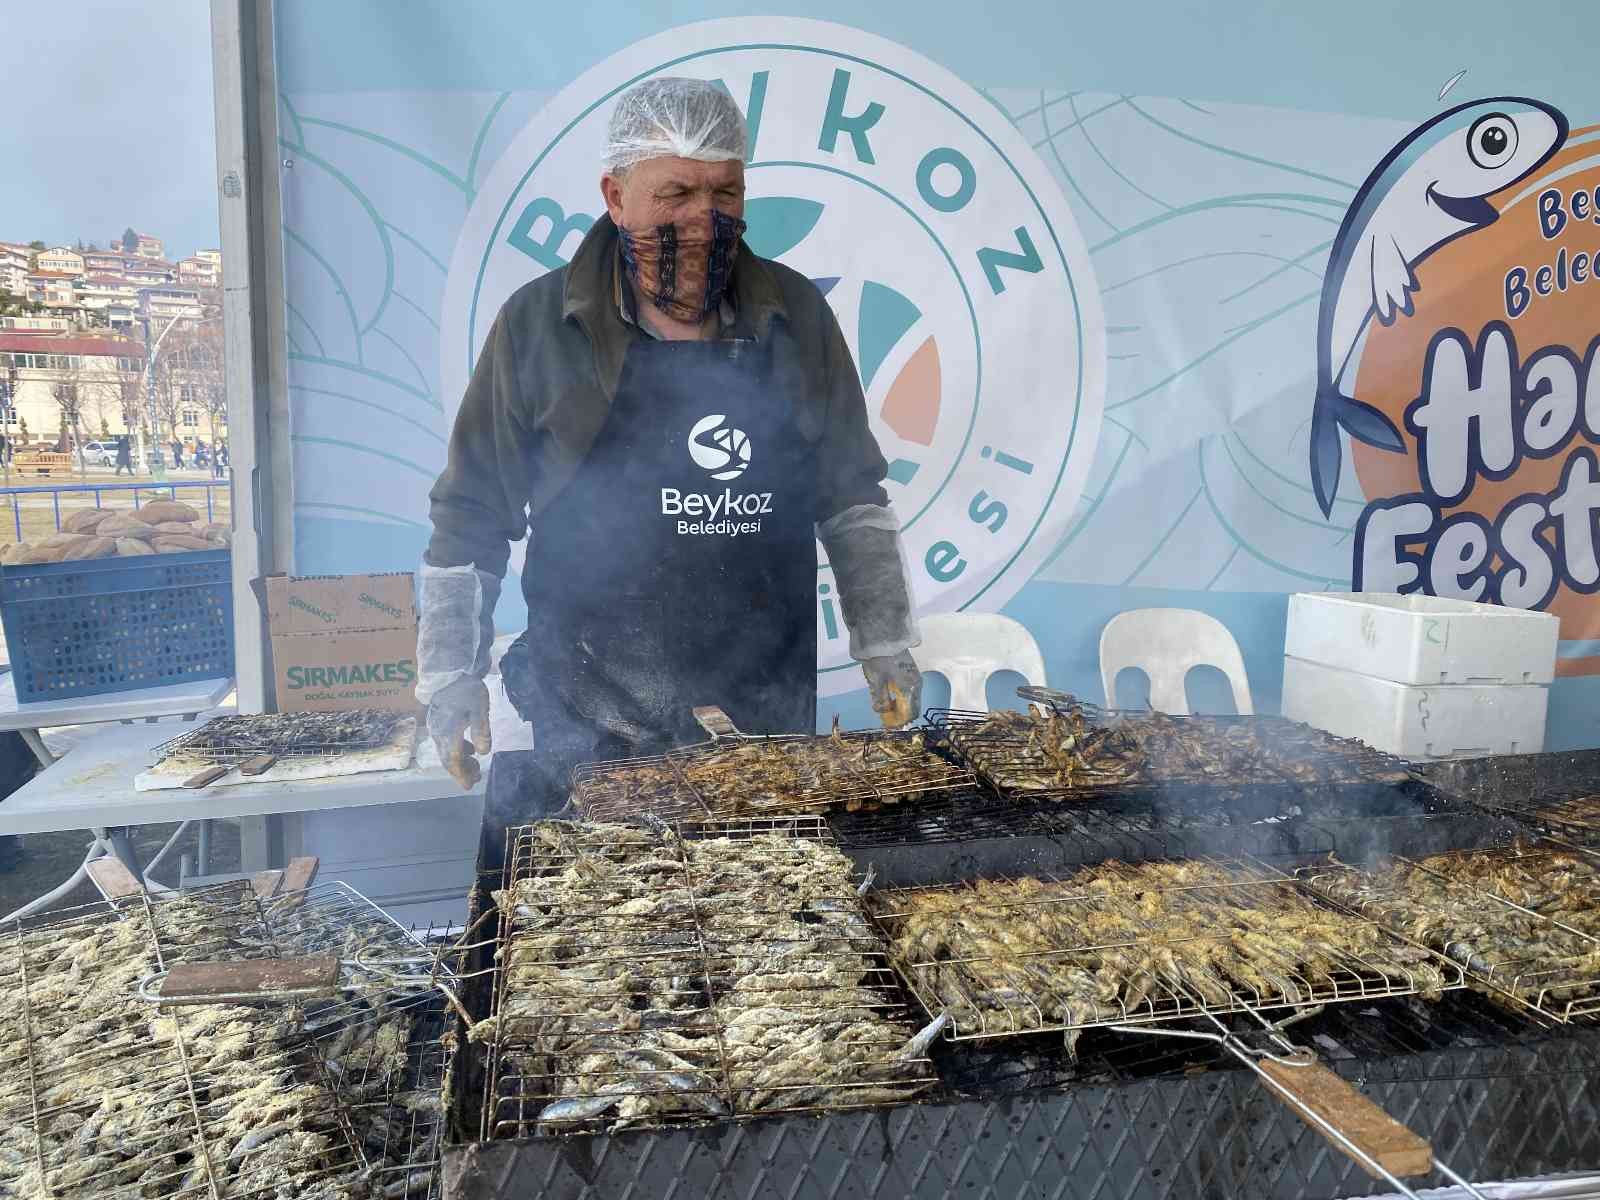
x: 154, y: 463
x: 10, y: 414
x: 253, y: 316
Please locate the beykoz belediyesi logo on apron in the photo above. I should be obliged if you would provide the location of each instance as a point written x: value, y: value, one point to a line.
x: 719, y: 448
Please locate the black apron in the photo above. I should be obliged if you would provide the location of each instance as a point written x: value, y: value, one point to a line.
x: 677, y: 568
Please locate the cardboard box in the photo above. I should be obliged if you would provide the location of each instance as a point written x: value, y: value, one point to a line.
x: 343, y: 641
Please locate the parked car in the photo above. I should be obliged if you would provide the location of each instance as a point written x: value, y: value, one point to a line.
x: 100, y: 454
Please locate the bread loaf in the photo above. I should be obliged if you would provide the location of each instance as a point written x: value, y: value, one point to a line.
x: 177, y: 543
x: 131, y: 547
x: 64, y: 541
x: 95, y: 547
x: 122, y: 525
x: 15, y: 552
x: 157, y: 511
x: 182, y: 528
x: 84, y: 520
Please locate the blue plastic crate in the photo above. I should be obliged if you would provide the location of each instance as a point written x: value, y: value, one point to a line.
x: 117, y: 624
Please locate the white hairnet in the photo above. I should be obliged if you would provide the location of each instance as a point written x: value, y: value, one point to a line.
x: 676, y: 118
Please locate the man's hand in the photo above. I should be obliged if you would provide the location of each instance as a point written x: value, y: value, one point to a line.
x: 461, y: 706
x: 896, y: 687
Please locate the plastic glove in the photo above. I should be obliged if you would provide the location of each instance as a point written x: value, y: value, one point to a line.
x: 896, y: 687
x: 455, y: 709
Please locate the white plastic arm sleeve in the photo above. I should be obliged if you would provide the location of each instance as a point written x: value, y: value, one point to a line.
x: 456, y: 630
x: 869, y: 566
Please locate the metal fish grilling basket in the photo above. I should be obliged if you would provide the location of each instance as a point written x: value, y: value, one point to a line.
x: 1522, y: 921
x: 651, y: 976
x: 1124, y: 945
x: 1063, y: 749
x: 235, y: 739
x: 736, y: 775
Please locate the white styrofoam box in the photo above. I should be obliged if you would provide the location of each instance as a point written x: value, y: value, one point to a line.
x: 415, y: 860
x: 1412, y: 721
x: 1422, y: 639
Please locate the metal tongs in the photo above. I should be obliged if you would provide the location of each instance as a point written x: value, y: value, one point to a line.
x: 1384, y: 1147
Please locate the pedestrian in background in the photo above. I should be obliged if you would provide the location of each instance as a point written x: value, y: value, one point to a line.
x: 177, y: 453
x: 124, y: 455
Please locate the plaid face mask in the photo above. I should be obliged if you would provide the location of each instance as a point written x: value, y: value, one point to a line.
x: 683, y: 272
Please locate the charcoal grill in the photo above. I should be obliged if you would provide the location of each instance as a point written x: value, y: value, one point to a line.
x: 1499, y: 1094
x: 736, y: 775
x: 1557, y: 793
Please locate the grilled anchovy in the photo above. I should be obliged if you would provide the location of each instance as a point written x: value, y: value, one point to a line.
x: 649, y: 978
x: 1120, y: 943
x: 1524, y: 922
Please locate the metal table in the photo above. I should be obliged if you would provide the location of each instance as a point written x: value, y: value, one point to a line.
x: 185, y: 700
x: 92, y: 787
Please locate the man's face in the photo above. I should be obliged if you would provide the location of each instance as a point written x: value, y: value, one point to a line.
x: 673, y: 191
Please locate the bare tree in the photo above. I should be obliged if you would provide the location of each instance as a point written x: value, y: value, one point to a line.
x: 130, y: 400
x: 168, y: 395
x: 67, y: 392
x: 193, y: 371
x: 100, y: 402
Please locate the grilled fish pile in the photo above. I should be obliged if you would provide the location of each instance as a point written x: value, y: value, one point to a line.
x: 107, y: 1096
x: 224, y: 739
x: 1524, y: 924
x: 764, y: 776
x: 1060, y: 751
x: 1120, y: 943
x: 1581, y: 814
x: 645, y: 977
x: 1072, y: 749
x: 368, y: 1039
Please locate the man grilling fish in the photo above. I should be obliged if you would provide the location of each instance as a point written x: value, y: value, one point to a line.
x: 676, y: 421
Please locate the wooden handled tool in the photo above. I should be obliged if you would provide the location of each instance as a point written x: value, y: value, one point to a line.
x: 1375, y: 1132
x: 255, y: 979
x: 259, y: 765
x: 205, y: 778
x: 716, y: 722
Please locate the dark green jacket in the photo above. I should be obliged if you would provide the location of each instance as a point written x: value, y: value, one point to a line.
x: 544, y: 382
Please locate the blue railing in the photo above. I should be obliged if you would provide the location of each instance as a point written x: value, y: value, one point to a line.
x: 169, y: 489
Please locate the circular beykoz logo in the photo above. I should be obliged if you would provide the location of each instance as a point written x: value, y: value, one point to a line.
x: 942, y: 243
x: 719, y: 448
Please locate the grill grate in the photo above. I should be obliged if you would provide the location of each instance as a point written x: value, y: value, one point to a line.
x: 655, y: 975
x: 110, y: 1096
x: 1123, y: 945
x: 1523, y: 921
x: 285, y: 735
x: 1069, y: 751
x: 1557, y: 793
x: 1576, y: 818
x: 740, y: 776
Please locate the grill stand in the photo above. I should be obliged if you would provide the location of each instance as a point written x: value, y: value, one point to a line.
x: 1215, y: 1135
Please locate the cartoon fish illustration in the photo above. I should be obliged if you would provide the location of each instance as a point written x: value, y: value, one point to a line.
x: 1429, y: 190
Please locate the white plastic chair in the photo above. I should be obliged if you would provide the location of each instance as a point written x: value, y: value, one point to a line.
x: 967, y: 648
x: 1165, y: 643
